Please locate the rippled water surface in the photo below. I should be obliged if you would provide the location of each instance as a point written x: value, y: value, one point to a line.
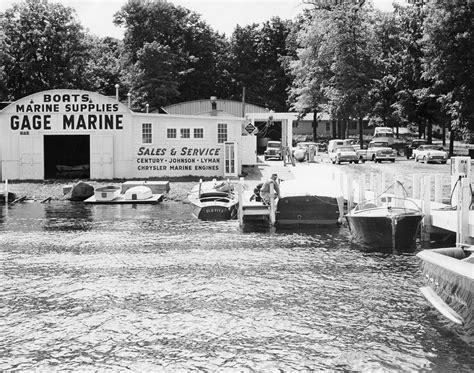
x: 149, y: 287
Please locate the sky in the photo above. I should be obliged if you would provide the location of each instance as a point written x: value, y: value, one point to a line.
x: 221, y: 15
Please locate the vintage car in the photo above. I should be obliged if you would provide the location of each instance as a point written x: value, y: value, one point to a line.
x: 412, y: 146
x: 377, y: 151
x: 430, y: 153
x: 344, y: 153
x: 274, y: 150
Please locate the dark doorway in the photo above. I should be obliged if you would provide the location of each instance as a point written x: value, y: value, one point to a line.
x: 66, y: 156
x: 267, y: 130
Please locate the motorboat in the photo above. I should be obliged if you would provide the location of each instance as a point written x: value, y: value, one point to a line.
x: 386, y: 222
x: 309, y: 202
x: 449, y: 274
x: 214, y: 200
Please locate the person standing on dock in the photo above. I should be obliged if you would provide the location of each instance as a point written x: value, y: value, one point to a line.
x: 265, y: 191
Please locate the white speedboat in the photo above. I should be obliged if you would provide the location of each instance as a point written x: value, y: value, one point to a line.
x: 214, y: 200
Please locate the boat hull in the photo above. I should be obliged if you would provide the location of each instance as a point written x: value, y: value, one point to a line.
x: 213, y: 212
x: 449, y: 274
x: 308, y: 211
x: 395, y: 231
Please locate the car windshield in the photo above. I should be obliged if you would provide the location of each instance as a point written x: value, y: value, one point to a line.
x: 306, y: 144
x: 380, y: 144
x: 431, y: 147
x: 274, y: 144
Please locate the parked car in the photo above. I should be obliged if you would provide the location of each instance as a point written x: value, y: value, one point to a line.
x: 430, y: 153
x: 274, y: 150
x: 412, y: 146
x: 377, y: 151
x: 344, y: 153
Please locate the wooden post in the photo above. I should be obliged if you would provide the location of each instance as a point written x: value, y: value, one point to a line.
x: 372, y: 183
x: 361, y: 187
x: 398, y: 191
x: 438, y: 188
x: 464, y: 200
x: 426, y: 208
x: 272, y: 205
x: 241, y: 201
x: 415, y: 190
x: 350, y: 193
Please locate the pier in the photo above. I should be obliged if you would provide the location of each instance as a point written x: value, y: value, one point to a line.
x: 444, y: 199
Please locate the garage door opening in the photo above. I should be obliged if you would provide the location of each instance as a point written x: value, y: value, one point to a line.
x: 267, y: 131
x: 66, y: 156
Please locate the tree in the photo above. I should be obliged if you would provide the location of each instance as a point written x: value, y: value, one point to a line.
x: 104, y: 65
x: 44, y: 48
x: 335, y: 69
x: 196, y: 49
x: 448, y: 62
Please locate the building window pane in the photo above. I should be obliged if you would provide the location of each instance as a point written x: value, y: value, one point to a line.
x: 199, y: 133
x: 185, y: 133
x: 328, y: 127
x: 221, y: 133
x: 146, y: 133
x: 171, y: 133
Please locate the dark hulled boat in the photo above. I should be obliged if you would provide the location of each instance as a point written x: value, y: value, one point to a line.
x: 449, y: 273
x: 214, y: 201
x: 385, y: 222
x: 309, y: 203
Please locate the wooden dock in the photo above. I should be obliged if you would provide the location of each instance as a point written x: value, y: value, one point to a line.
x: 456, y: 217
x: 252, y: 212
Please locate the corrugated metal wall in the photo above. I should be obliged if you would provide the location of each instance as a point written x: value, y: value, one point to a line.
x: 204, y: 106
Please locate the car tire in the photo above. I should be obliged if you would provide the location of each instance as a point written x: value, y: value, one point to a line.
x: 392, y: 160
x: 356, y: 162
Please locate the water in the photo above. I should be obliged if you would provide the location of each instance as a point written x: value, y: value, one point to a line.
x: 148, y: 287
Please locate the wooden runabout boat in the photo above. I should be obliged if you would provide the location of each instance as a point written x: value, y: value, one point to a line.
x: 449, y: 274
x: 214, y: 200
x: 386, y: 222
x: 309, y: 203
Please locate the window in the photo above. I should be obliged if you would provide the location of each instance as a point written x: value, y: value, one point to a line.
x: 328, y: 127
x: 221, y: 133
x: 146, y: 133
x: 185, y: 133
x: 199, y: 133
x: 171, y: 133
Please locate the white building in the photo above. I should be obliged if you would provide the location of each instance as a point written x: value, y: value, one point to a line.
x: 58, y: 133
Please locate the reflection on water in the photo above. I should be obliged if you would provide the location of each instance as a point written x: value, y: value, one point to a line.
x: 149, y: 287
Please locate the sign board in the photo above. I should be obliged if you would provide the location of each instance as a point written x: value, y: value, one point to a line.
x: 251, y: 129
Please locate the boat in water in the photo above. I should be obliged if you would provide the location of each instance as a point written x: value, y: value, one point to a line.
x: 214, y: 200
x: 449, y: 273
x: 309, y: 203
x: 386, y: 222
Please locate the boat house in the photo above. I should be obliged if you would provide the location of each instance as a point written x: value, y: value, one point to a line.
x: 75, y: 133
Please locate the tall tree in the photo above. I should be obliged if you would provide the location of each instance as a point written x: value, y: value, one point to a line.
x: 448, y: 62
x: 257, y: 63
x: 104, y: 65
x: 193, y: 45
x: 44, y: 48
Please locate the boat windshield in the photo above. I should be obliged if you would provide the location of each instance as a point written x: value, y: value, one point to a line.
x: 389, y: 202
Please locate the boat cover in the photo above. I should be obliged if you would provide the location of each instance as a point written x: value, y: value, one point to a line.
x: 138, y: 193
x: 310, y: 187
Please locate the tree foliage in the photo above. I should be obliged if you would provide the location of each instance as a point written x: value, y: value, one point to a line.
x: 448, y: 61
x: 194, y: 47
x: 44, y: 48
